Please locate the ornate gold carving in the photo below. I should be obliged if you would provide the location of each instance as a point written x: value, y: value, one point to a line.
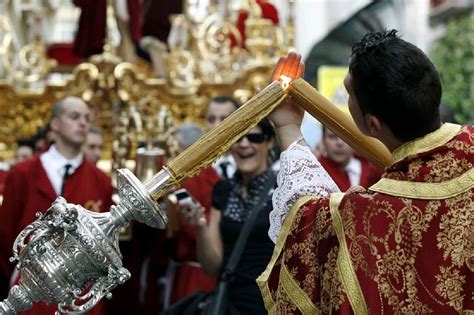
x: 120, y: 94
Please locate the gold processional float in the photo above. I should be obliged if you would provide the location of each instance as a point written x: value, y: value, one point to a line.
x: 70, y: 256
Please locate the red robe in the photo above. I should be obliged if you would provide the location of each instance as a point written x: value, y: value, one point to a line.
x: 91, y: 30
x: 369, y: 175
x: 269, y: 12
x: 189, y: 279
x: 405, y: 246
x: 28, y: 191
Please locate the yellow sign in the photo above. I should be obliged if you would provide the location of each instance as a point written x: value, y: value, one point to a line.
x: 330, y: 84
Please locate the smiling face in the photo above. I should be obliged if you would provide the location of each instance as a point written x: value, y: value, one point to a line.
x: 251, y: 158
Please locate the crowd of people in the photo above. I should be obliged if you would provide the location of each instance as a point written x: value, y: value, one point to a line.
x: 396, y: 242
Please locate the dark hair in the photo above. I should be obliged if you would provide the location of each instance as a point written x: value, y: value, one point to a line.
x: 396, y: 82
x: 224, y: 99
x: 26, y: 143
x: 267, y: 128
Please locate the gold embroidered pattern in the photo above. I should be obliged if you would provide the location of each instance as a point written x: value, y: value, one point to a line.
x: 456, y: 231
x: 427, y: 143
x: 296, y: 294
x: 395, y: 249
x: 428, y: 191
x: 262, y: 280
x: 333, y: 294
x: 449, y: 286
x: 344, y: 264
x: 445, y: 167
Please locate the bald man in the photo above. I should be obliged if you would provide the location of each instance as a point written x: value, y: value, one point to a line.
x: 32, y: 185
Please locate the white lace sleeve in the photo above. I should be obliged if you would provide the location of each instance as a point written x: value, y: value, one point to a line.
x: 300, y: 174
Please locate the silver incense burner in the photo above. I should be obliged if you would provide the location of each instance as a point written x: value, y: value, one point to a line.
x: 70, y: 256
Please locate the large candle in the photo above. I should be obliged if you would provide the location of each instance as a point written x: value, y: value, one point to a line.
x: 338, y: 122
x: 218, y: 140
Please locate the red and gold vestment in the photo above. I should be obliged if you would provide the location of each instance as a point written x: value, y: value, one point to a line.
x: 404, y: 246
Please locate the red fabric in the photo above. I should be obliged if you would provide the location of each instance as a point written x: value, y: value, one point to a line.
x: 28, y: 190
x: 369, y: 175
x: 134, y: 22
x: 156, y: 17
x: 189, y: 279
x: 62, y: 53
x: 91, y: 30
x: 3, y: 177
x: 269, y: 12
x: 409, y: 255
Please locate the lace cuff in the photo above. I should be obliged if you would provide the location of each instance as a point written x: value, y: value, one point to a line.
x: 300, y: 175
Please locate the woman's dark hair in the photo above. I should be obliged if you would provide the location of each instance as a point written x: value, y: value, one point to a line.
x: 396, y: 82
x: 267, y: 129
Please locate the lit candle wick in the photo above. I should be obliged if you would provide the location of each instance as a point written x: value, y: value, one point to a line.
x: 285, y: 81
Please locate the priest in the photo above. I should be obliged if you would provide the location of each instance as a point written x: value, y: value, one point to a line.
x: 406, y: 244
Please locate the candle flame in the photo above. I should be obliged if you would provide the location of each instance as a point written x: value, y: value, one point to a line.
x: 285, y: 81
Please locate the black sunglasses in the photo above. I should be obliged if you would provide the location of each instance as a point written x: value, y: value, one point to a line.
x: 254, y: 137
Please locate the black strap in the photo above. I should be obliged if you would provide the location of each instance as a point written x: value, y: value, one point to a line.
x: 245, y: 232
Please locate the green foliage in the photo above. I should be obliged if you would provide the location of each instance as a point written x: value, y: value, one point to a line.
x: 453, y: 55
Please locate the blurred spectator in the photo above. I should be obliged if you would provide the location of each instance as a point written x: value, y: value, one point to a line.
x: 218, y: 109
x: 345, y: 168
x: 32, y: 185
x: 94, y: 143
x: 186, y: 135
x: 24, y: 151
x: 43, y: 138
x: 185, y: 272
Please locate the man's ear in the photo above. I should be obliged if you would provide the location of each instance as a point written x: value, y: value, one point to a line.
x: 373, y: 124
x: 54, y: 123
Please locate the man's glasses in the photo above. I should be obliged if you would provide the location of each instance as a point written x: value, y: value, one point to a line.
x: 254, y: 137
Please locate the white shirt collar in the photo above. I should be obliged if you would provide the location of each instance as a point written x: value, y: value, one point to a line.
x: 354, y: 171
x: 54, y: 164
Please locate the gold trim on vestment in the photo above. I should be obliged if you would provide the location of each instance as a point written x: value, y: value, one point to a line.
x: 296, y: 294
x: 423, y: 190
x: 344, y: 264
x: 426, y: 143
x: 262, y: 280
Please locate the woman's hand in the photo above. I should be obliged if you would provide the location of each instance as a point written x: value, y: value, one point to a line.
x: 193, y: 213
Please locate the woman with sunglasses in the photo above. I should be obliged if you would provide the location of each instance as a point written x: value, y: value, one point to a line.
x: 233, y: 201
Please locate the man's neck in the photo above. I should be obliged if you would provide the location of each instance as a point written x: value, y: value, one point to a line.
x: 69, y: 152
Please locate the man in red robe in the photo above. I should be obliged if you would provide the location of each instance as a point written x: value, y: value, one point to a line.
x: 405, y: 245
x: 346, y: 168
x: 31, y: 186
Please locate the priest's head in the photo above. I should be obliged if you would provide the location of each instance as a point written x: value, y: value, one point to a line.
x: 394, y: 89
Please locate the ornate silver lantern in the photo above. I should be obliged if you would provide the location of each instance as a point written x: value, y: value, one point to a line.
x: 70, y: 256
